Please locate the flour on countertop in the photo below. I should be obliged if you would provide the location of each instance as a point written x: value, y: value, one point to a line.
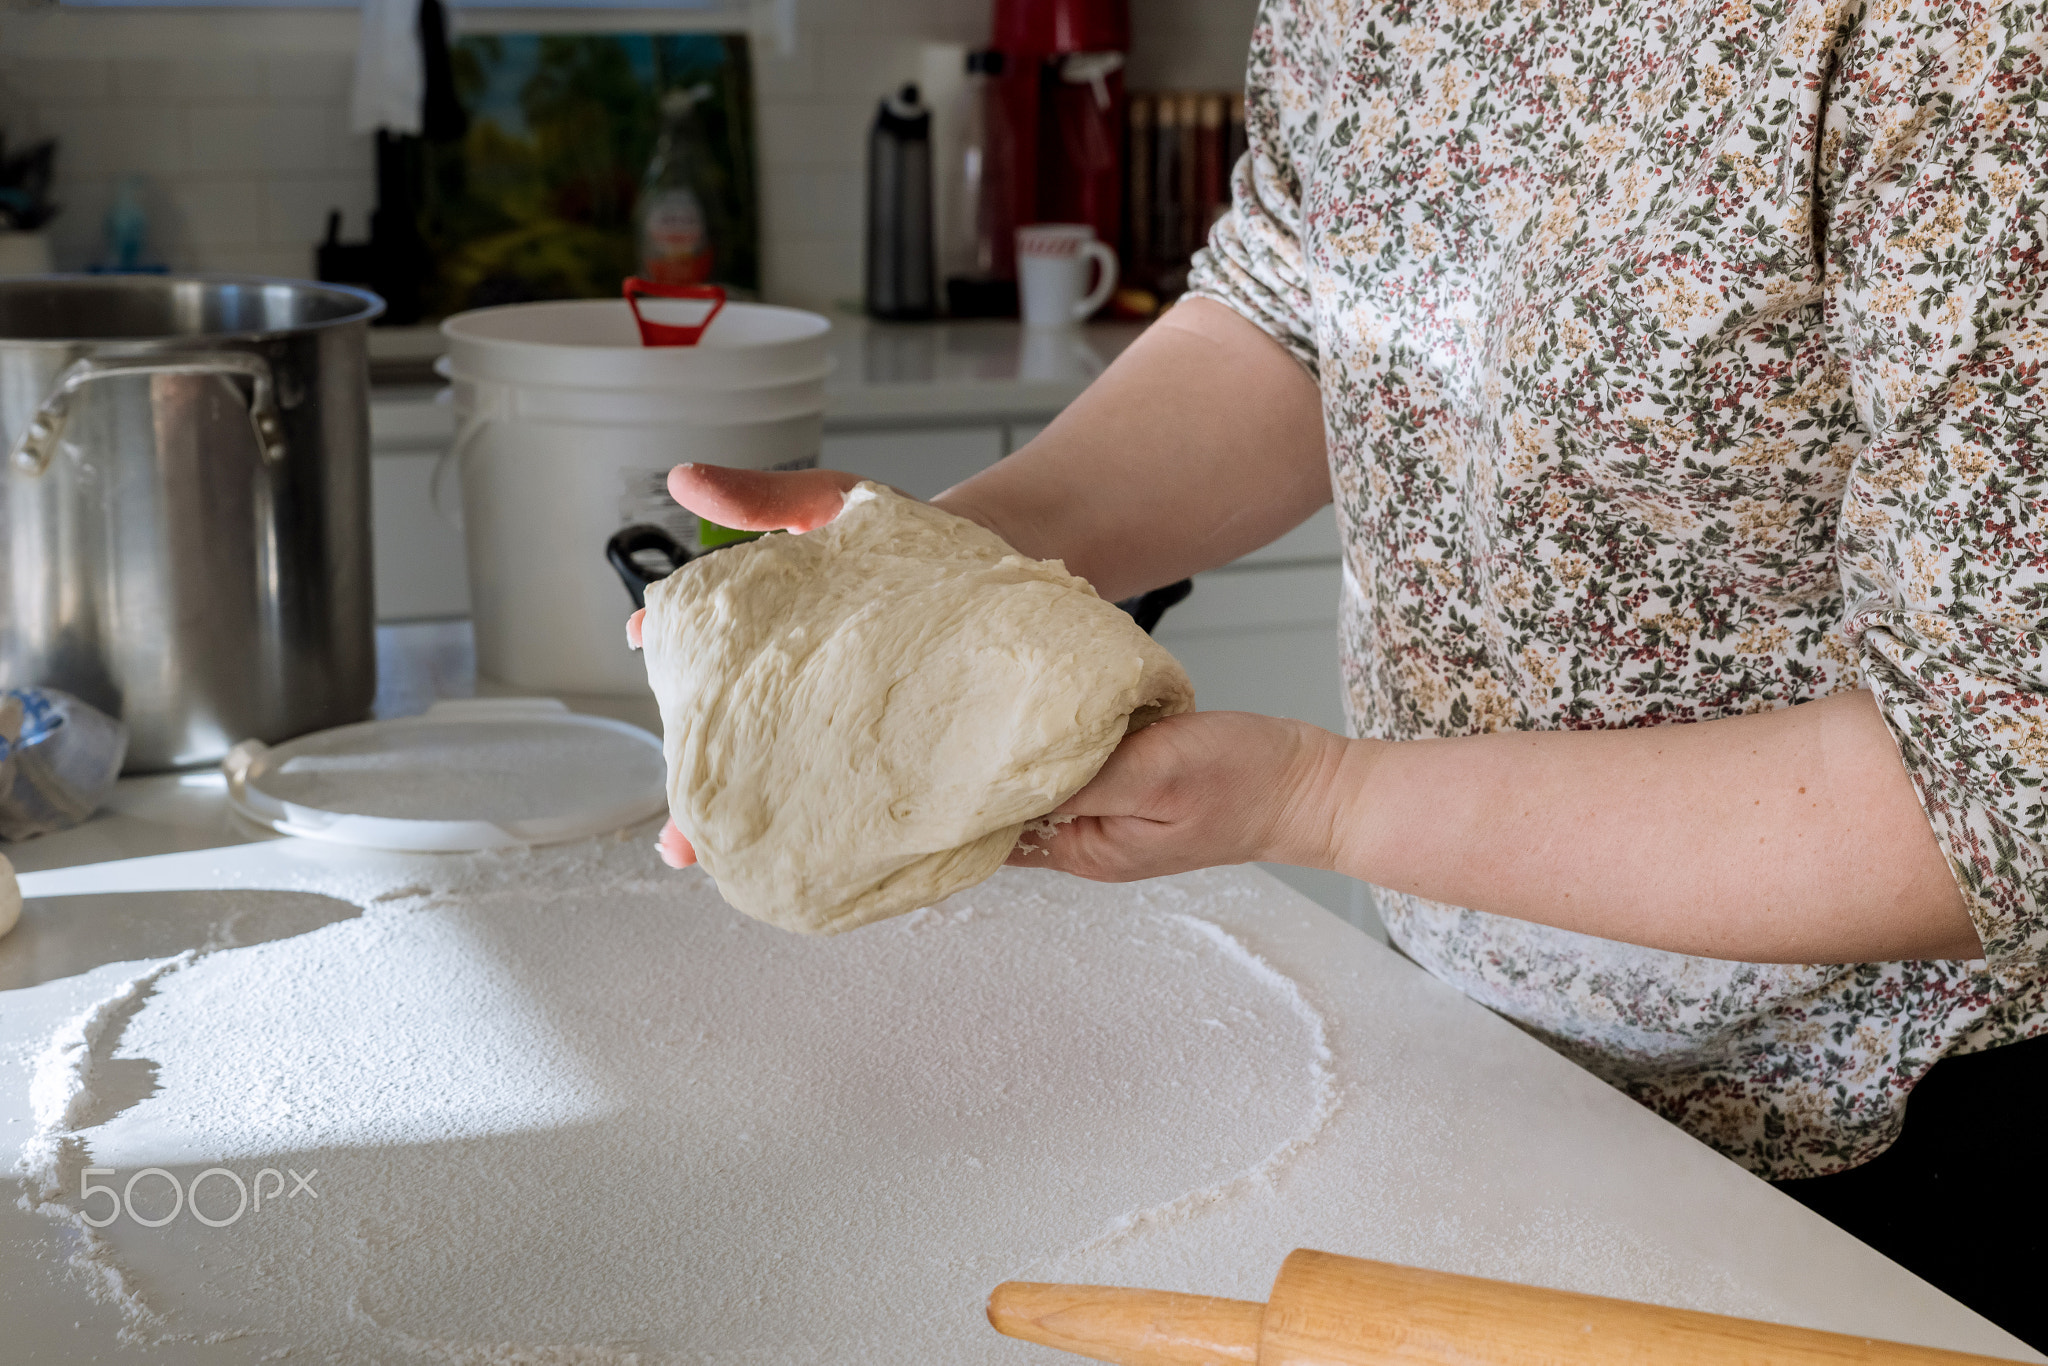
x: 1325, y: 1098
x: 566, y: 1106
x: 64, y: 1099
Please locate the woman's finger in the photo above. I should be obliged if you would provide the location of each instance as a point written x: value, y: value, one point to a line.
x: 675, y: 850
x: 633, y: 628
x: 761, y: 500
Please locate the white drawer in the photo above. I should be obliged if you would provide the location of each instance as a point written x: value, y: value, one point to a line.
x: 1257, y: 597
x: 1288, y: 671
x: 1315, y: 539
x: 410, y: 420
x: 1019, y: 433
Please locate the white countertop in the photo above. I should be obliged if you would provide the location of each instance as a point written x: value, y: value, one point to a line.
x: 885, y: 375
x: 1456, y: 1141
x: 892, y: 374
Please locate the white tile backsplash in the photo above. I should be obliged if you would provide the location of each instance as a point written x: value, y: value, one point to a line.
x: 813, y: 133
x: 276, y: 138
x: 814, y: 272
x: 220, y: 211
x: 237, y: 121
x: 862, y: 67
x: 295, y: 208
x: 138, y: 79
x: 51, y: 78
x: 107, y: 139
x: 296, y: 76
x: 814, y: 201
x: 780, y: 75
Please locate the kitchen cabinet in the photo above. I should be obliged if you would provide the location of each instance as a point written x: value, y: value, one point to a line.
x: 417, y: 552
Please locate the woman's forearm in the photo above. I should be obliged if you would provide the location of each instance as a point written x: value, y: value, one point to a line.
x: 1202, y: 442
x: 1792, y: 836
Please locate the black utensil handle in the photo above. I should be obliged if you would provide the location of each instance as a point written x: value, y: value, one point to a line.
x: 629, y: 541
x: 1147, y: 608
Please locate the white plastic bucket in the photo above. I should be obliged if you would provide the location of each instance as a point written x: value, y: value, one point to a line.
x: 566, y: 429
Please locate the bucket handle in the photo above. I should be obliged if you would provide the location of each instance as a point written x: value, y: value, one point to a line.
x: 628, y: 541
x: 670, y: 334
x: 38, y: 442
x: 487, y: 404
x: 451, y: 459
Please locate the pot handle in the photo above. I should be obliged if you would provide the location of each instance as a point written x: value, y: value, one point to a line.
x: 621, y: 548
x: 38, y: 442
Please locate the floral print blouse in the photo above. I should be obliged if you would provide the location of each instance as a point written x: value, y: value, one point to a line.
x: 1683, y: 358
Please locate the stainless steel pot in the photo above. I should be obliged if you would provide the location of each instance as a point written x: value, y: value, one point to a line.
x: 186, y: 506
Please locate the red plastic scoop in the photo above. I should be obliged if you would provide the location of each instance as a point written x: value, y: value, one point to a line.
x: 672, y: 333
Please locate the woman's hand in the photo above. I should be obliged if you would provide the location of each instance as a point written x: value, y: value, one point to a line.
x: 1198, y: 790
x: 674, y: 847
x: 1191, y: 791
x: 755, y: 500
x: 761, y: 500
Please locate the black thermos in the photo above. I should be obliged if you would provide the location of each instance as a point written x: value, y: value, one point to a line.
x: 900, y: 270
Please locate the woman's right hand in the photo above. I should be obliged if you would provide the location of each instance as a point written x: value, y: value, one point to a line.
x: 761, y: 500
x: 755, y: 500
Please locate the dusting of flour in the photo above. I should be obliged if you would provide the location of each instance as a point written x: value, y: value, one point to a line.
x: 66, y: 1099
x: 565, y: 1106
x: 1324, y: 1094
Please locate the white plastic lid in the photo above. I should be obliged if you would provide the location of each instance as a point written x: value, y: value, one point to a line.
x: 488, y: 773
x: 595, y: 344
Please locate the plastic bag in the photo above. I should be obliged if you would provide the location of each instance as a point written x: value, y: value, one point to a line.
x: 59, y: 758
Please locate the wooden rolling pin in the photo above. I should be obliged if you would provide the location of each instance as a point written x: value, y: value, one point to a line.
x: 1328, y: 1310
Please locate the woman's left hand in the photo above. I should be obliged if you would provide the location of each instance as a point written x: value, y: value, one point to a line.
x: 1191, y: 791
x: 1197, y: 790
x: 673, y: 846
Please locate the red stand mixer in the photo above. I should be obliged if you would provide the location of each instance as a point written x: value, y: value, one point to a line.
x: 1060, y: 95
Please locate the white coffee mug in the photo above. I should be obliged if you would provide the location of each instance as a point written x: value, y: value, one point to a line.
x: 1052, y: 273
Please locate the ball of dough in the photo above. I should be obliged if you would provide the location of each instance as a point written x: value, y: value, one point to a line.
x: 860, y: 720
x: 10, y: 896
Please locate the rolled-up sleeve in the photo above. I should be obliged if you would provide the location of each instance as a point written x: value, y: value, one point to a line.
x: 1253, y: 262
x: 1937, y: 283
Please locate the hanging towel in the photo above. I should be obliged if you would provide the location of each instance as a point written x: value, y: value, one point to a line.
x: 390, y: 76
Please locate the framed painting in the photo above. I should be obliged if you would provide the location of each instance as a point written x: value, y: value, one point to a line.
x: 540, y: 196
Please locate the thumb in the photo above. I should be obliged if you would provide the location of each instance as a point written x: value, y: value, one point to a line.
x: 761, y: 500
